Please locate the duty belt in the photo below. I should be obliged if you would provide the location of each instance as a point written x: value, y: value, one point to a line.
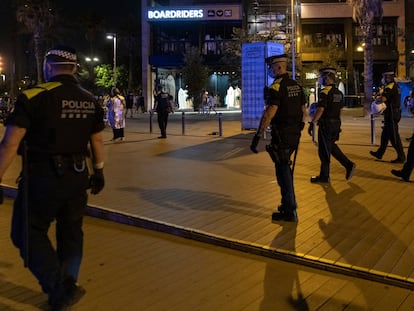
x: 59, y: 161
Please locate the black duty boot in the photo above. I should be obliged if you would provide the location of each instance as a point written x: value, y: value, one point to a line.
x: 400, y: 159
x: 319, y: 179
x: 290, y: 216
x: 400, y: 174
x: 376, y: 154
x: 350, y: 170
x: 65, y: 294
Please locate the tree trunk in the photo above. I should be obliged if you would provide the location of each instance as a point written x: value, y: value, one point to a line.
x: 368, y: 71
x: 38, y: 57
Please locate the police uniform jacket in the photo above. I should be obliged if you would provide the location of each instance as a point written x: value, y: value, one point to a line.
x: 332, y: 100
x: 287, y: 124
x: 162, y: 105
x: 59, y: 117
x: 392, y: 94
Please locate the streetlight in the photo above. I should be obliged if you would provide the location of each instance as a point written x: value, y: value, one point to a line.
x: 112, y: 36
x: 91, y: 59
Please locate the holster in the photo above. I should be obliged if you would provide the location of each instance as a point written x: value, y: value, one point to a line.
x: 278, y: 155
x: 272, y: 151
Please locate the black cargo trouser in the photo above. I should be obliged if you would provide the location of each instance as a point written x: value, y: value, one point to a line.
x: 59, y: 196
x: 328, y: 134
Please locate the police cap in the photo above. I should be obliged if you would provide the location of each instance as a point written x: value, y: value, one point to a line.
x: 62, y: 55
x: 388, y: 72
x: 327, y: 70
x: 276, y: 59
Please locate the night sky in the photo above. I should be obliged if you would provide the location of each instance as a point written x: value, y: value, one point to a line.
x: 113, y: 12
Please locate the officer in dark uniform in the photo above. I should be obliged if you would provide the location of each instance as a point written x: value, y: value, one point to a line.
x: 391, y: 96
x: 56, y: 121
x: 163, y: 106
x: 328, y: 117
x: 285, y: 111
x: 408, y: 166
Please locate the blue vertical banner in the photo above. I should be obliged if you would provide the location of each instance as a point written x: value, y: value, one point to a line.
x: 405, y: 88
x: 254, y: 79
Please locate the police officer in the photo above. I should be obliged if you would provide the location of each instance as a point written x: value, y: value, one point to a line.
x: 285, y: 111
x: 391, y: 96
x: 408, y: 166
x: 328, y: 117
x: 56, y: 120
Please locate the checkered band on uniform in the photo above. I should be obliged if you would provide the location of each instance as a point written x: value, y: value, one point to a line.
x: 63, y: 54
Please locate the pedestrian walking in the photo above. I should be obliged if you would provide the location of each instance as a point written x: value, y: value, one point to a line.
x: 56, y: 121
x: 392, y: 116
x: 211, y: 102
x: 328, y: 118
x: 129, y: 102
x: 140, y: 102
x: 163, y: 106
x: 285, y: 111
x: 117, y: 114
x: 408, y: 166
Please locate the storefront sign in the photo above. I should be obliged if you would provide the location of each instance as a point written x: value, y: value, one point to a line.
x: 219, y: 12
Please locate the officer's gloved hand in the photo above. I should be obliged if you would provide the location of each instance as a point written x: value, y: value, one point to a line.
x: 255, y: 142
x: 1, y: 195
x: 310, y: 129
x: 97, y: 181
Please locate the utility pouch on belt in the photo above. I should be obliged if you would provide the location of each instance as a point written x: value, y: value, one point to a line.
x: 61, y: 162
x: 272, y: 151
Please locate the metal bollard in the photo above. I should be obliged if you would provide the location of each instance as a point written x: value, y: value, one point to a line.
x: 150, y: 120
x: 183, y: 123
x: 372, y: 129
x: 220, y: 124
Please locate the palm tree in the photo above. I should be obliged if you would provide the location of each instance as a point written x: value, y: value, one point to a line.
x: 38, y: 17
x: 364, y: 13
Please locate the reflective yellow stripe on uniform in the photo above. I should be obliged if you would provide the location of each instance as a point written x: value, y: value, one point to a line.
x: 390, y: 85
x: 276, y: 85
x: 30, y: 93
x: 326, y: 89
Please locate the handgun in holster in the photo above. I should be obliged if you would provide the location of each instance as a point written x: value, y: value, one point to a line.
x: 272, y: 151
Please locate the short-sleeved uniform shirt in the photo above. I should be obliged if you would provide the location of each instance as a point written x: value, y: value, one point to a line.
x: 59, y: 116
x: 332, y: 100
x: 288, y: 95
x: 162, y: 102
x: 392, y: 93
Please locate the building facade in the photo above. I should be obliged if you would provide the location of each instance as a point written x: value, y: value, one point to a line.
x: 171, y: 28
x: 314, y: 31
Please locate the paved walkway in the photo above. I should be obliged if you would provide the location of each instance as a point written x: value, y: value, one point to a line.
x: 129, y: 268
x: 213, y: 189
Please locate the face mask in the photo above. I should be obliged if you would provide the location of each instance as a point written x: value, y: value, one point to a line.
x: 270, y: 72
x: 322, y: 81
x: 383, y: 81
